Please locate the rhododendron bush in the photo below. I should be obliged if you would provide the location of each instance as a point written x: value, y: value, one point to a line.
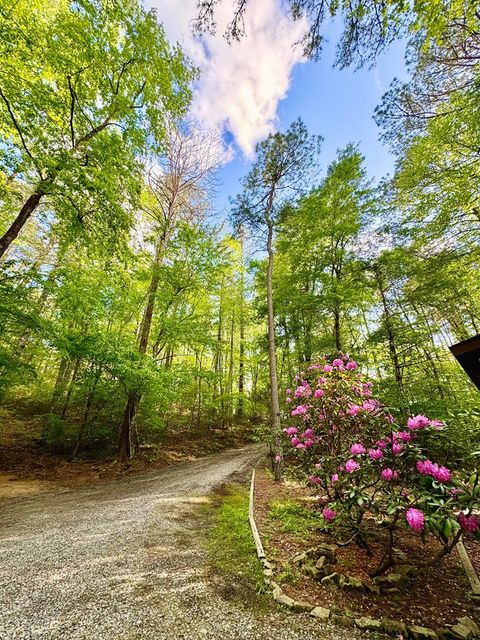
x: 368, y: 470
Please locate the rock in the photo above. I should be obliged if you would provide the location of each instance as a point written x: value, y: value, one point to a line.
x: 268, y: 573
x: 302, y: 607
x: 327, y: 550
x: 350, y: 582
x: 468, y: 622
x: 343, y: 621
x: 300, y: 558
x: 445, y: 634
x: 393, y: 580
x: 267, y: 564
x: 313, y: 572
x: 284, y: 600
x: 331, y: 581
x: 393, y: 627
x: 368, y: 624
x: 321, y: 613
x: 320, y: 563
x: 276, y: 592
x: 463, y: 631
x: 421, y: 633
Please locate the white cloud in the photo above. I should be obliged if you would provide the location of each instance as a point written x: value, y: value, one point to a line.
x: 240, y: 84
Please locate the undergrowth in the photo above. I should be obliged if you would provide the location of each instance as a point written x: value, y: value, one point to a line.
x: 231, y: 547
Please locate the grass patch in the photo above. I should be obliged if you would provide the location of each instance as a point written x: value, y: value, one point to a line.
x: 232, y: 549
x: 293, y: 517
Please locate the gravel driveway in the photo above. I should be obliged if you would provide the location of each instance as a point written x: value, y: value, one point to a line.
x: 124, y: 561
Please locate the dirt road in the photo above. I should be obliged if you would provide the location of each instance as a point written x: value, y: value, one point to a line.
x: 125, y: 561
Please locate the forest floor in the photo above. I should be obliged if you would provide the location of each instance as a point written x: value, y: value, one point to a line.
x: 127, y: 560
x: 28, y: 467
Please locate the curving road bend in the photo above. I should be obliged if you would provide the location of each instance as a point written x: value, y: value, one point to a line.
x: 124, y: 561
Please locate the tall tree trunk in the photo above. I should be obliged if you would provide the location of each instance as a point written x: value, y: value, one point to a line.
x: 336, y: 329
x: 272, y: 361
x: 86, y: 413
x: 241, y: 355
x: 392, y: 347
x: 70, y: 387
x: 230, y: 371
x: 60, y: 380
x: 127, y: 429
x: 26, y: 211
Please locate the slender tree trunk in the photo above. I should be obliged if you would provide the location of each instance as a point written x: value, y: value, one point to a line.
x: 230, y: 370
x: 241, y: 355
x: 272, y: 361
x: 127, y: 429
x: 62, y: 373
x: 70, y: 387
x: 26, y: 211
x: 86, y: 413
x: 336, y: 329
x: 391, y: 339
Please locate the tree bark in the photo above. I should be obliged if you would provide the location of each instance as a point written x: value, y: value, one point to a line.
x: 26, y: 211
x: 272, y: 362
x: 127, y: 425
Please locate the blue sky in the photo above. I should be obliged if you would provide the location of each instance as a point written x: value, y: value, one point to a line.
x: 262, y: 83
x: 339, y: 105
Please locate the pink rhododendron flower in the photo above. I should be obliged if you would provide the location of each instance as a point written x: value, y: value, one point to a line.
x: 351, y: 465
x: 334, y: 478
x: 418, y: 422
x: 389, y: 474
x: 319, y: 393
x: 300, y: 445
x: 289, y: 400
x: 353, y: 409
x: 389, y: 418
x: 308, y: 443
x: 381, y: 444
x: 357, y: 449
x: 299, y: 392
x: 294, y: 441
x: 327, y: 368
x: 329, y: 514
x: 468, y: 523
x: 289, y: 391
x: 405, y: 436
x: 278, y: 458
x: 415, y: 519
x: 301, y: 410
x: 337, y: 363
x: 437, y: 424
x: 429, y: 468
x: 308, y: 433
x: 396, y: 448
x: 375, y: 454
x: 370, y: 405
x: 442, y: 474
x: 291, y: 431
x: 352, y: 365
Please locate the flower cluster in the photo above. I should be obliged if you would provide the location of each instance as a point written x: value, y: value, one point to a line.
x: 366, y: 464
